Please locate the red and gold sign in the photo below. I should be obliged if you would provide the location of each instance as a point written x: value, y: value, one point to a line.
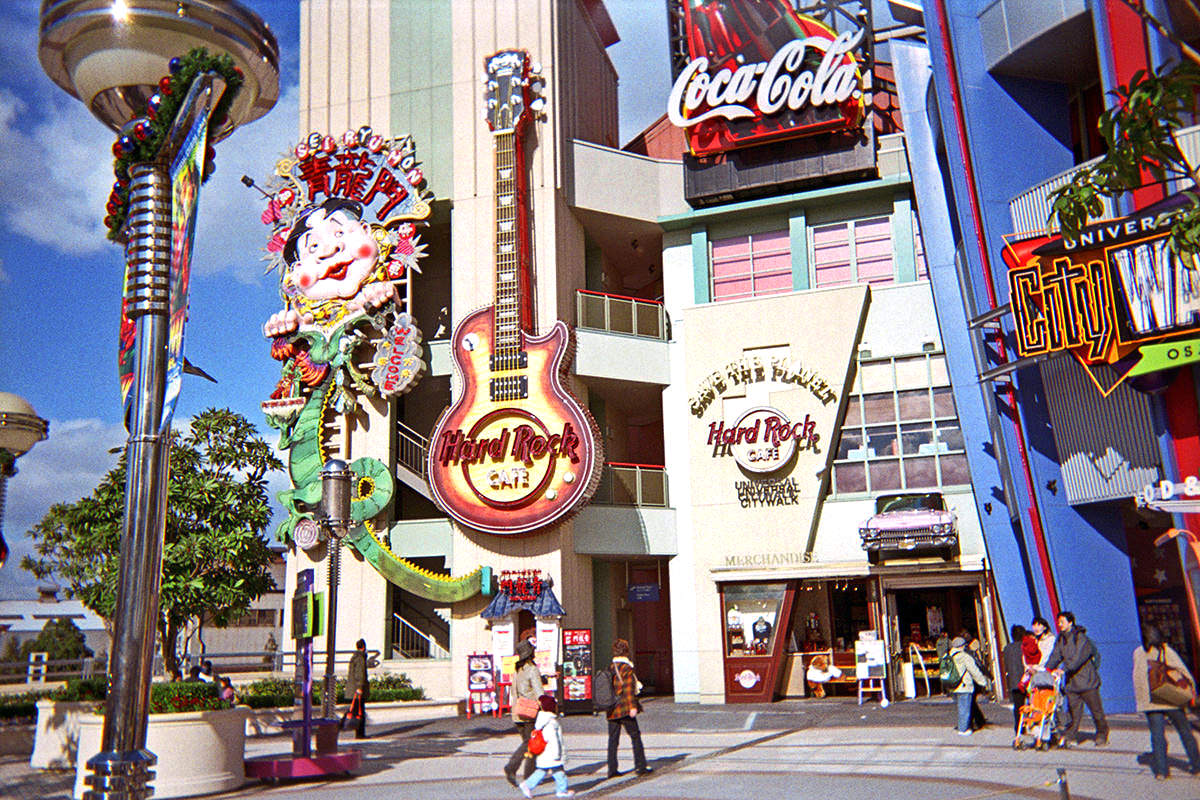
x: 516, y: 452
x: 1104, y: 297
x: 523, y: 585
x: 761, y: 71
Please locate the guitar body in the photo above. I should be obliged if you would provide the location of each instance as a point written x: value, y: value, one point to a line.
x: 516, y: 452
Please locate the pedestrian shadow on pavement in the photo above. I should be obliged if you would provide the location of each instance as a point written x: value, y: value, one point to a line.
x: 594, y: 774
x: 1176, y: 765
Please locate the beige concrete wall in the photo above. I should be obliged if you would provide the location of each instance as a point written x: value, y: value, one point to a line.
x: 344, y: 70
x: 818, y: 330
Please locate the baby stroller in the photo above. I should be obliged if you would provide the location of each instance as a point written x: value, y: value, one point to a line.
x: 1038, y: 714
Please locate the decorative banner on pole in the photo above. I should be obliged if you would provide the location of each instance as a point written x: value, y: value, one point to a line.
x: 186, y: 176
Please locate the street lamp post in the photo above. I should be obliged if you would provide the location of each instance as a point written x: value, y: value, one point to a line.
x: 111, y: 54
x: 20, y: 429
x: 335, y: 520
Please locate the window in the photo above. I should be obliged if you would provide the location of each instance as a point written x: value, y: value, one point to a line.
x: 859, y: 251
x: 901, y: 430
x: 919, y: 248
x: 257, y: 618
x: 751, y: 266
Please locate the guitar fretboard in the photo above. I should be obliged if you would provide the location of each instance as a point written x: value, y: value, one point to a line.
x: 507, y: 307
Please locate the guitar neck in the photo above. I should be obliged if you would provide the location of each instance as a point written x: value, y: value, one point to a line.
x: 507, y: 251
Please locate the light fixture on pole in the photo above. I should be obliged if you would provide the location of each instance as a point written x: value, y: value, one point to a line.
x: 20, y: 430
x: 114, y: 56
x: 335, y: 522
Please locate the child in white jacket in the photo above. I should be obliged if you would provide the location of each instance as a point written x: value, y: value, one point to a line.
x: 551, y: 759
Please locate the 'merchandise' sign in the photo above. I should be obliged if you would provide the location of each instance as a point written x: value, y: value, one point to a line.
x: 774, y: 85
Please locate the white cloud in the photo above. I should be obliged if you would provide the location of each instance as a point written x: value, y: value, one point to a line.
x: 230, y: 236
x: 57, y: 166
x: 61, y: 469
x: 56, y: 173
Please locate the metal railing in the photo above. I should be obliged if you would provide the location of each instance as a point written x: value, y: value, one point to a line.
x: 38, y: 669
x: 632, y: 485
x: 1030, y: 209
x: 408, y: 641
x: 620, y: 314
x: 411, y: 448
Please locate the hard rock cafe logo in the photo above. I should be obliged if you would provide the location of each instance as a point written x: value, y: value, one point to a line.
x: 741, y: 79
x: 763, y: 439
x: 509, y: 458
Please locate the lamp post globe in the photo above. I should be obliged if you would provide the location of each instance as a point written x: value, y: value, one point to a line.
x: 20, y: 429
x: 111, y: 54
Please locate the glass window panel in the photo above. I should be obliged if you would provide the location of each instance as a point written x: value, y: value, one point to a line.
x: 854, y: 411
x: 876, y: 271
x: 943, y: 402
x: 950, y: 434
x: 912, y: 372
x: 917, y: 439
x: 593, y: 311
x: 773, y: 240
x: 773, y: 283
x: 919, y: 247
x: 751, y: 617
x: 913, y: 403
x: 730, y: 247
x: 877, y: 376
x: 882, y: 441
x: 954, y: 470
x: 833, y: 276
x: 920, y: 473
x: 885, y: 475
x: 773, y: 261
x: 879, y: 407
x: 849, y: 478
x: 832, y: 253
x: 868, y: 249
x: 830, y: 233
x: 850, y: 444
x: 726, y: 288
x: 878, y: 227
x: 939, y: 373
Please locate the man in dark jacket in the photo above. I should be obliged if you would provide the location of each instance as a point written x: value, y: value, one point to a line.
x: 1074, y: 656
x: 356, y: 682
x: 1014, y: 670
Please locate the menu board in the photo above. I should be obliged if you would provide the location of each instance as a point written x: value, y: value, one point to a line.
x: 577, y: 669
x: 481, y: 682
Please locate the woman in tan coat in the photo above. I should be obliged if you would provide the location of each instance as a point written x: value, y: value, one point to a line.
x: 527, y: 682
x: 1157, y: 714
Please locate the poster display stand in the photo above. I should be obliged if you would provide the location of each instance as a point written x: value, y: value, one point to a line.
x: 577, y: 671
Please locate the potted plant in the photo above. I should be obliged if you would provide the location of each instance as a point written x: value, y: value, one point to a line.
x: 199, y: 739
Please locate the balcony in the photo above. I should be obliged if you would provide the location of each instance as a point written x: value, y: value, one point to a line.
x: 616, y: 313
x: 1030, y: 209
x: 632, y: 485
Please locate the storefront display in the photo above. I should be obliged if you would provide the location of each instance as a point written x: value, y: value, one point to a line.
x: 752, y: 649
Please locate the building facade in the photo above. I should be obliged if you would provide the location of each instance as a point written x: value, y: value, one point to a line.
x: 786, y: 472
x: 1074, y: 430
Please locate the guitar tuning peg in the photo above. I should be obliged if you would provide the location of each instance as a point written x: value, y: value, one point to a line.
x: 538, y: 104
x: 536, y: 68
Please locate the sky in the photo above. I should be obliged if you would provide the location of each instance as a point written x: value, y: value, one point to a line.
x: 60, y: 278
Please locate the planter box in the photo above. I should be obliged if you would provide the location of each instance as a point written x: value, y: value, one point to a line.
x: 199, y: 752
x: 266, y: 721
x: 57, y: 736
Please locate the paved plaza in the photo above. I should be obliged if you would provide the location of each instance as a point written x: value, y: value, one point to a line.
x: 829, y: 749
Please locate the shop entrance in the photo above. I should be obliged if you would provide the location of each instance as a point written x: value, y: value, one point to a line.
x: 1158, y: 580
x: 632, y: 601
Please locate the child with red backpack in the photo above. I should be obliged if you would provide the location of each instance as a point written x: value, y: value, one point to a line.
x: 546, y: 746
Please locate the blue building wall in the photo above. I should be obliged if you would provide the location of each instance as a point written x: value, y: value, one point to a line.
x: 1018, y: 135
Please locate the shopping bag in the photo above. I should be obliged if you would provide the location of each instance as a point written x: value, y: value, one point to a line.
x: 1169, y: 686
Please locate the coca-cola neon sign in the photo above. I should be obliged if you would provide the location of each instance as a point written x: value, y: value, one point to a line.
x: 739, y: 88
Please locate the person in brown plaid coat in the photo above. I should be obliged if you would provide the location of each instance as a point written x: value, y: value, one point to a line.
x: 624, y: 714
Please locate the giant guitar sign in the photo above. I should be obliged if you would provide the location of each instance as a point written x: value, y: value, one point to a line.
x: 516, y: 452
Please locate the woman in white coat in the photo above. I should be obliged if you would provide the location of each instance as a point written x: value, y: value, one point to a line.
x: 1157, y: 714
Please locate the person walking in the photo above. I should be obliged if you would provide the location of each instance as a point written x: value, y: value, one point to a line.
x: 971, y: 676
x: 358, y: 689
x: 1074, y: 656
x: 553, y: 759
x: 1014, y: 674
x: 1157, y: 714
x: 527, y: 683
x: 624, y: 714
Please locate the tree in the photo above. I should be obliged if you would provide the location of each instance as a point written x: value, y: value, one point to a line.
x: 60, y: 640
x: 1139, y: 132
x: 215, y: 556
